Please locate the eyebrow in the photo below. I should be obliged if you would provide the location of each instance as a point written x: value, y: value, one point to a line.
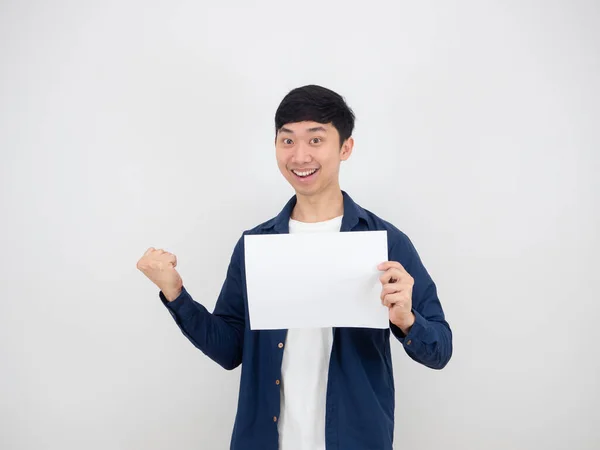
x: 310, y: 130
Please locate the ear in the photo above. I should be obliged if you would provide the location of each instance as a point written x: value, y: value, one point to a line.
x: 346, y: 149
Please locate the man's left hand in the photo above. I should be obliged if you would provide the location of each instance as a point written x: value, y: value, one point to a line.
x: 396, y: 294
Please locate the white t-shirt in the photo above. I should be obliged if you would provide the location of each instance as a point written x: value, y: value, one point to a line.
x: 304, y: 371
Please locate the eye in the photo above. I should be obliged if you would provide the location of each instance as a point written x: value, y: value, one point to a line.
x: 315, y: 140
x: 288, y: 141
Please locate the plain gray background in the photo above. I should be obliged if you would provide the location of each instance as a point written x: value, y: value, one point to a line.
x: 130, y: 124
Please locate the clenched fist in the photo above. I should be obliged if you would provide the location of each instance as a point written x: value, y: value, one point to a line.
x: 159, y: 266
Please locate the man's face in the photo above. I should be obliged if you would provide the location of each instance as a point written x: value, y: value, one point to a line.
x: 309, y: 156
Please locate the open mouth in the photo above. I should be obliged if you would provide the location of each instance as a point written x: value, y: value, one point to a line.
x: 305, y: 174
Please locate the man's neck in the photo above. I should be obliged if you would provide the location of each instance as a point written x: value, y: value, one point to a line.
x: 318, y: 208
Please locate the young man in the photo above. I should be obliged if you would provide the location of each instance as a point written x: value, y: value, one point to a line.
x: 324, y: 388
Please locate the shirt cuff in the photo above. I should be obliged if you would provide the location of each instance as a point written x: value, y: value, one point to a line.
x: 411, y: 341
x: 181, y: 307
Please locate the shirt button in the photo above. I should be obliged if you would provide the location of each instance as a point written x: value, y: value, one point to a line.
x: 409, y: 342
x: 280, y: 345
x: 274, y: 418
x: 277, y: 382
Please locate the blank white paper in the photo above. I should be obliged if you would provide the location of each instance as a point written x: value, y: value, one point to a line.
x: 308, y: 280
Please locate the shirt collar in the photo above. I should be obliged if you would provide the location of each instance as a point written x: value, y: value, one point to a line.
x: 352, y: 214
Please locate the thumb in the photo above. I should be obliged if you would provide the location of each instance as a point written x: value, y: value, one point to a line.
x: 172, y: 259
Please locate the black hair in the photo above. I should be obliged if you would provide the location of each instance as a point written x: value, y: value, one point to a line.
x: 317, y: 104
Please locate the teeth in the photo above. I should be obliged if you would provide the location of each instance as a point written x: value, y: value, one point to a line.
x: 304, y: 173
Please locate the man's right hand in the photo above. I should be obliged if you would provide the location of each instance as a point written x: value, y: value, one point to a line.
x: 159, y: 267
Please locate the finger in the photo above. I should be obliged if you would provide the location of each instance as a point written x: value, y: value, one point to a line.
x: 150, y: 250
x: 389, y: 264
x: 171, y: 258
x: 392, y: 275
x: 392, y: 304
x: 391, y: 300
x: 390, y: 288
x: 386, y: 276
x: 397, y: 300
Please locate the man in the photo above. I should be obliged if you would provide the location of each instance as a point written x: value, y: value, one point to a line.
x: 318, y: 388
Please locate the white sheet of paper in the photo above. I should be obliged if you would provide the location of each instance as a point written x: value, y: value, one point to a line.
x: 309, y: 280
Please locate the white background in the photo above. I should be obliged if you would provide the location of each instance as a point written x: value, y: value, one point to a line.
x: 130, y: 124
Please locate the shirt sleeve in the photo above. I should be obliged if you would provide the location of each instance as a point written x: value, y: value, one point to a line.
x: 429, y: 341
x: 219, y: 335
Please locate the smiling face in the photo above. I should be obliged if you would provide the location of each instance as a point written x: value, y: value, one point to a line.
x: 309, y: 156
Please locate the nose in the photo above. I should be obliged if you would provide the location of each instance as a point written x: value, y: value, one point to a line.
x: 301, y: 154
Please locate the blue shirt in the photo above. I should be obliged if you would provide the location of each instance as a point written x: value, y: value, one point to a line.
x: 360, y: 388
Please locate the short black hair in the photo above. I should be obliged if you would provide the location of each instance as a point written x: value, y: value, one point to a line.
x: 317, y: 104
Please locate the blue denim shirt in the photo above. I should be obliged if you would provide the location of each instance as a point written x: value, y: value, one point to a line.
x: 360, y: 388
